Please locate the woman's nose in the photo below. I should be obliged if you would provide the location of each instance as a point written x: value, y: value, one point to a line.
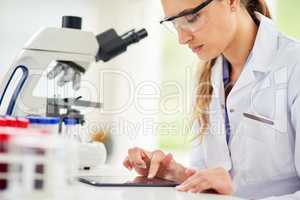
x: 184, y: 36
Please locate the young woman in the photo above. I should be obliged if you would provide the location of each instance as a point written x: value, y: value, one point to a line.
x: 247, y: 105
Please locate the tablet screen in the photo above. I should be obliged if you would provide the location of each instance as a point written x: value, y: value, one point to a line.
x: 111, y: 181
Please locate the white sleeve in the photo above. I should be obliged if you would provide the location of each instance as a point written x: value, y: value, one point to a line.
x: 295, y: 196
x: 197, y: 156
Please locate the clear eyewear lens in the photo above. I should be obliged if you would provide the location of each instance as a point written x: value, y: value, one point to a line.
x: 190, y: 23
x: 170, y: 26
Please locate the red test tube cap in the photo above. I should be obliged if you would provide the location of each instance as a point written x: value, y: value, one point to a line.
x: 22, y: 122
x: 3, y: 122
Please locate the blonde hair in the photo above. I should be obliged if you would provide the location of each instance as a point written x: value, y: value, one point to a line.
x: 204, y: 86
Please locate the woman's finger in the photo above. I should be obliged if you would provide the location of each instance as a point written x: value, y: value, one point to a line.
x: 194, y: 190
x: 187, y: 181
x: 190, y: 172
x: 193, y: 181
x: 135, y: 158
x: 187, y: 186
x: 199, y: 187
x: 127, y: 163
x: 155, y: 163
x: 202, y: 186
x: 167, y: 160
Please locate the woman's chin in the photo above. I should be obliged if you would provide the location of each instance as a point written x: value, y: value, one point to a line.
x: 205, y: 57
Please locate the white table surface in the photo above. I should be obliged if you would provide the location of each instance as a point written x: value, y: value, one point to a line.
x: 87, y: 192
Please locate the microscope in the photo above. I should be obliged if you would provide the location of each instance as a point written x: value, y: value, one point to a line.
x: 65, y: 54
x: 71, y: 51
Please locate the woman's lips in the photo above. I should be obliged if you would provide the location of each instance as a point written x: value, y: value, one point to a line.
x: 198, y: 48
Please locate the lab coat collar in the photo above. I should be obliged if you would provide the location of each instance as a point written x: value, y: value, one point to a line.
x: 265, y: 46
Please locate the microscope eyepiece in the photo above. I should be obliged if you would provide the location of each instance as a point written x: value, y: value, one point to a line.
x: 142, y: 33
x: 132, y: 37
x: 71, y: 22
x: 112, y: 45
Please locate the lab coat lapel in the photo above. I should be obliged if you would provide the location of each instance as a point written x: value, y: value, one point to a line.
x: 265, y: 48
x: 217, y: 81
x: 215, y: 141
x: 247, y: 77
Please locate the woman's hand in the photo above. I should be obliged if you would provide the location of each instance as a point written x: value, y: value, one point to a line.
x: 217, y: 179
x: 154, y: 164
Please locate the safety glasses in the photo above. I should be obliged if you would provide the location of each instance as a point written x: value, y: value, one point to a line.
x: 188, y: 20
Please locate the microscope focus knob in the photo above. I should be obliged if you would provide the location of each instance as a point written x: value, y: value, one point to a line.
x: 71, y: 22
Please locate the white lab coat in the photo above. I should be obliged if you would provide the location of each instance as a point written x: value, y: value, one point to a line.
x: 263, y: 154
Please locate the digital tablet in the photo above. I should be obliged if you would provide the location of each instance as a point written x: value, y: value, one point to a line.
x: 117, y: 181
